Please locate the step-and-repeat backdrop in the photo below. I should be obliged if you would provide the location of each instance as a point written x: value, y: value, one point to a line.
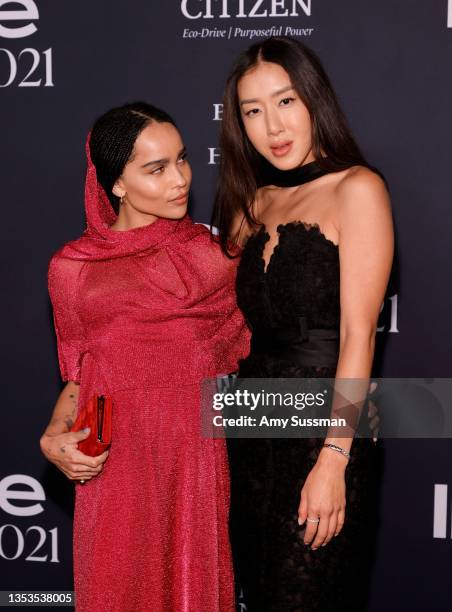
x: 64, y: 63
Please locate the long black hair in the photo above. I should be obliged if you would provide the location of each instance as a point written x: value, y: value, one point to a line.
x: 113, y: 137
x: 240, y: 163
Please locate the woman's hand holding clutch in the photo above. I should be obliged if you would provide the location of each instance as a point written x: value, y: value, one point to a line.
x: 61, y: 450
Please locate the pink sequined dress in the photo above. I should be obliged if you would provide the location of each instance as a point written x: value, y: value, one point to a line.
x: 144, y: 315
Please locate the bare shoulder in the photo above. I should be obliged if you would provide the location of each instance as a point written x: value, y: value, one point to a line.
x: 362, y: 193
x: 361, y: 184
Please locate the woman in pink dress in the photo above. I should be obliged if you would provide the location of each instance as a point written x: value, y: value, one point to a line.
x: 144, y: 310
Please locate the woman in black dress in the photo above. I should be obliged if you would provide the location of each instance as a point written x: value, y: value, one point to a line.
x: 315, y: 224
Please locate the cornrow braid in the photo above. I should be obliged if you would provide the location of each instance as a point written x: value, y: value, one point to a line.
x: 113, y: 138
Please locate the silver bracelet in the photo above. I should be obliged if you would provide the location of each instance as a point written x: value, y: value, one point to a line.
x: 338, y: 449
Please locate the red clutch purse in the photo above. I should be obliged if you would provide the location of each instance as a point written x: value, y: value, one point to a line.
x: 96, y: 414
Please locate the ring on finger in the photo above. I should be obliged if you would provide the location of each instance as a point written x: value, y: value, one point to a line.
x: 311, y: 520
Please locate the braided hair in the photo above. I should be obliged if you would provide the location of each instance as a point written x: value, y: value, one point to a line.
x: 113, y: 138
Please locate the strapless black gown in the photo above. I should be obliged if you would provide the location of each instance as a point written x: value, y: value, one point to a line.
x: 276, y: 570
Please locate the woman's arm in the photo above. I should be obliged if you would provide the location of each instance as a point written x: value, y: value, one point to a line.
x: 59, y: 445
x: 65, y: 410
x: 366, y: 248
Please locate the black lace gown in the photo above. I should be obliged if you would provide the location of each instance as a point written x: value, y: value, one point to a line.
x: 275, y: 569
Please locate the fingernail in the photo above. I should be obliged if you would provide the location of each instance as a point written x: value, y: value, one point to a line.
x: 299, y: 520
x: 86, y: 429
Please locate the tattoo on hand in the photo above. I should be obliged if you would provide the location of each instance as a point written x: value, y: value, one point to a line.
x: 62, y: 449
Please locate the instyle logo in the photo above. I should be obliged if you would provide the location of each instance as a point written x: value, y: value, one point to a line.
x: 29, y: 12
x: 33, y: 493
x: 228, y: 9
x: 29, y: 67
x: 449, y: 14
x: 21, y: 496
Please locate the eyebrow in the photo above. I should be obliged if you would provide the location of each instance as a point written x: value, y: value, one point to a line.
x: 276, y: 93
x: 164, y: 160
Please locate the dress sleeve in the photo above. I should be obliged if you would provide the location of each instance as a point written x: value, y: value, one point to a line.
x: 63, y: 277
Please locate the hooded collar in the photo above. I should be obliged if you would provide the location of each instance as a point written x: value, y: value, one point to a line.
x: 100, y: 242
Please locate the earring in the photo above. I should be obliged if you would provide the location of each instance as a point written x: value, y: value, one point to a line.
x: 121, y: 199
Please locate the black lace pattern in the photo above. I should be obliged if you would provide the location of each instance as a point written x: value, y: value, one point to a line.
x: 277, y: 571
